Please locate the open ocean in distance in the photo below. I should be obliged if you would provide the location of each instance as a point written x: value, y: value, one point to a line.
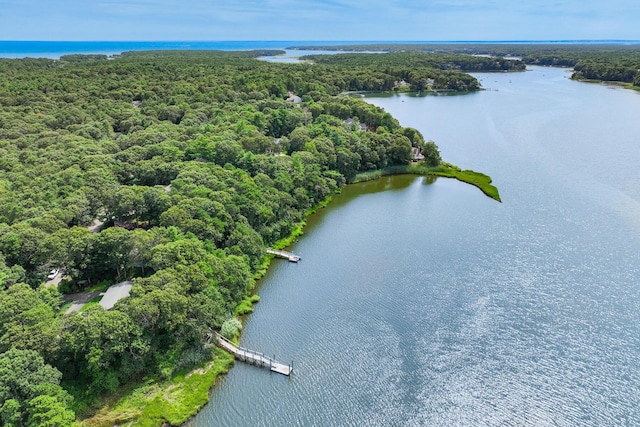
x: 55, y: 49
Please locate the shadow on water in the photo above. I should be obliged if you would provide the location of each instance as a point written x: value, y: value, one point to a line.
x: 412, y: 94
x: 391, y: 183
x: 386, y: 183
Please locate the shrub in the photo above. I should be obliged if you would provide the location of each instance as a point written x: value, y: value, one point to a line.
x: 231, y: 328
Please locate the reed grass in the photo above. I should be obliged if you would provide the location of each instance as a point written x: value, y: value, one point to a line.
x: 445, y: 170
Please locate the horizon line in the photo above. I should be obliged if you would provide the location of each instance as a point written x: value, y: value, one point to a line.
x: 335, y: 41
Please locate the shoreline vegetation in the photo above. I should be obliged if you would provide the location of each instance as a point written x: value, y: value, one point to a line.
x: 145, y: 405
x: 166, y: 402
x: 445, y: 170
x: 176, y: 400
x: 195, y: 162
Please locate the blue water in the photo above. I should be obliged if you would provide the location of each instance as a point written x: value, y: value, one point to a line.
x: 55, y: 49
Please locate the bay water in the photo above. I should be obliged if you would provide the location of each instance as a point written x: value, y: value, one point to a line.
x: 422, y: 302
x: 56, y: 49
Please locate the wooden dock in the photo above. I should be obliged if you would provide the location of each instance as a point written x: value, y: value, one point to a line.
x: 284, y: 254
x: 252, y: 357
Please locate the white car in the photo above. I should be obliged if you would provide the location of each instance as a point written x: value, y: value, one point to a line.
x: 52, y: 274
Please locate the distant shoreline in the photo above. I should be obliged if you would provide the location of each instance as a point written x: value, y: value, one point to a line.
x: 15, y: 49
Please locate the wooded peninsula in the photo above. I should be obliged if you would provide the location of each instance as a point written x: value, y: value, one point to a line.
x: 178, y: 169
x: 606, y: 62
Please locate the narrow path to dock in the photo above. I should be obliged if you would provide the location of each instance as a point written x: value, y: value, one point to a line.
x: 252, y: 357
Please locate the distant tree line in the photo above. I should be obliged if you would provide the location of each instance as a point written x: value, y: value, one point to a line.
x: 614, y: 62
x: 420, y: 70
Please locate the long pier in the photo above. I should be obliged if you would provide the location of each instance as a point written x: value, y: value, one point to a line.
x: 252, y: 357
x: 284, y: 254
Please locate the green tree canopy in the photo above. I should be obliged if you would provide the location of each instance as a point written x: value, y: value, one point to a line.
x: 30, y: 393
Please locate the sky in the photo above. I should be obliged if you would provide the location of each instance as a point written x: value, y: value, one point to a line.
x: 357, y: 20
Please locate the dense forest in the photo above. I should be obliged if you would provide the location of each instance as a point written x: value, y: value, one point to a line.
x: 177, y: 169
x: 420, y: 70
x: 595, y: 61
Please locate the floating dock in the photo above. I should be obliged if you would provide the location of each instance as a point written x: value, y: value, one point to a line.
x: 284, y: 254
x: 254, y: 358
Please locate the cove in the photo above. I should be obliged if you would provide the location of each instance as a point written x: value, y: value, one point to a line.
x: 423, y: 302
